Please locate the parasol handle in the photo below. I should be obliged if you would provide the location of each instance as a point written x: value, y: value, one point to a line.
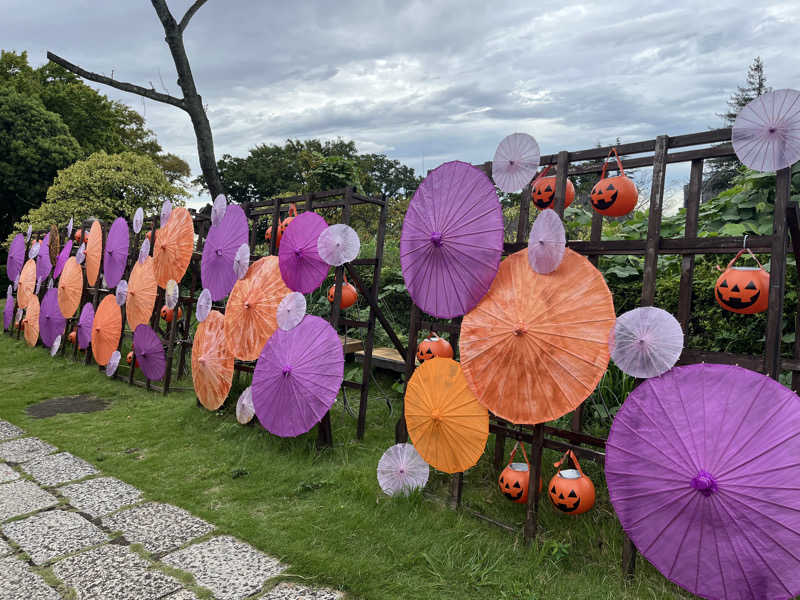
x: 619, y: 162
x: 524, y: 454
x: 569, y: 454
x: 738, y: 254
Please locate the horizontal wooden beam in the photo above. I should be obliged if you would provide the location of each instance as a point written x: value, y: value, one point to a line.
x: 748, y: 361
x: 719, y: 151
x: 705, y: 245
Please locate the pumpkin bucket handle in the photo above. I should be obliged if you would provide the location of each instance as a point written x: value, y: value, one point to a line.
x: 540, y: 174
x: 524, y: 454
x: 738, y: 254
x: 619, y: 162
x: 569, y: 454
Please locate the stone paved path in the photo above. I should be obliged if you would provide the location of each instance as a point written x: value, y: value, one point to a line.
x: 66, y: 532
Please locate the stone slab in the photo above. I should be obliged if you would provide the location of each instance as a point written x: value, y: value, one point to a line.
x: 23, y: 497
x: 158, y: 527
x: 182, y: 595
x: 17, y: 581
x: 7, y: 473
x: 9, y: 431
x: 292, y: 591
x: 231, y: 569
x: 53, y: 533
x: 5, y: 549
x: 25, y: 449
x: 56, y: 469
x: 113, y: 572
x: 101, y: 496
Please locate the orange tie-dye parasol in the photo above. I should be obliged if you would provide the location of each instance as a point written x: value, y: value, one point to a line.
x: 447, y: 424
x: 172, y: 251
x: 142, y: 291
x: 27, y: 283
x: 536, y: 345
x: 106, y: 329
x: 31, y: 321
x: 251, y: 312
x: 70, y: 288
x: 94, y: 254
x: 212, y: 361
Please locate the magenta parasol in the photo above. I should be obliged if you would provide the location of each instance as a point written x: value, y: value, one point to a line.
x: 62, y: 259
x: 766, y: 133
x: 452, y: 240
x: 218, y: 209
x: 646, y: 342
x: 51, y: 321
x: 515, y: 162
x: 401, y: 470
x: 301, y: 267
x: 219, y: 252
x: 16, y: 257
x: 338, y: 244
x: 115, y: 254
x: 149, y: 352
x: 43, y: 263
x: 85, y: 326
x: 203, y: 306
x: 702, y: 469
x: 297, y: 377
x: 547, y: 242
x: 291, y: 311
x: 8, y: 310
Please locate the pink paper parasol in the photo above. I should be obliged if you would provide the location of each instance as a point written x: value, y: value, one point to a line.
x: 515, y: 162
x: 646, y: 342
x: 115, y: 254
x: 452, y: 240
x: 62, y: 259
x: 338, y: 244
x: 171, y: 294
x: 218, y: 209
x: 69, y: 228
x: 113, y: 363
x: 547, y: 242
x: 121, y: 293
x: 766, y: 133
x: 244, y: 407
x: 149, y: 352
x: 80, y: 255
x: 144, y: 251
x: 51, y: 321
x: 55, y: 345
x: 85, y: 323
x: 301, y: 267
x: 401, y: 470
x: 291, y: 311
x: 16, y: 257
x: 43, y: 264
x: 241, y: 261
x: 203, y: 306
x: 219, y: 252
x: 702, y: 469
x: 33, y: 251
x: 28, y: 234
x: 138, y: 220
x: 166, y: 212
x: 8, y: 311
x: 297, y: 377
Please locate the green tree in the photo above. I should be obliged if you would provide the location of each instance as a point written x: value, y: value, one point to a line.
x: 34, y: 145
x: 103, y: 186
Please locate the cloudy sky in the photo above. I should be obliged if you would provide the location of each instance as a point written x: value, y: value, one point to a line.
x: 424, y: 82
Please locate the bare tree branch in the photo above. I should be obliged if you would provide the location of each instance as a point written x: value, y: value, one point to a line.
x: 189, y: 14
x: 120, y: 85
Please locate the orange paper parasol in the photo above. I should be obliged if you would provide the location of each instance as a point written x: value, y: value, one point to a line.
x: 27, y: 283
x: 106, y: 329
x: 142, y: 292
x: 70, y: 288
x: 31, y: 321
x: 251, y: 312
x: 447, y: 424
x: 212, y: 361
x: 94, y: 253
x: 172, y: 251
x: 536, y: 346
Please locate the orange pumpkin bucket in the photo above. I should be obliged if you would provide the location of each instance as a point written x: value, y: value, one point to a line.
x: 743, y: 290
x: 349, y: 294
x: 515, y: 479
x: 570, y: 490
x: 543, y: 190
x: 614, y: 196
x: 433, y: 346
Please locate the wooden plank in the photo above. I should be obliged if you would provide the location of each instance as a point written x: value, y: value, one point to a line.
x: 723, y: 150
x: 351, y: 345
x: 440, y: 326
x: 353, y: 323
x: 690, y: 231
x: 777, y: 276
x: 384, y: 358
x: 654, y: 222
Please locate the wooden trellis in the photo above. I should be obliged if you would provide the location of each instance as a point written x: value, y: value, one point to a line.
x: 658, y: 153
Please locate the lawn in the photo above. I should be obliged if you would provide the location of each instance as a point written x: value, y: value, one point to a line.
x: 323, y: 512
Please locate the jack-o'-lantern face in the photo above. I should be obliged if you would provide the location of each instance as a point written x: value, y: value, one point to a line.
x: 543, y: 193
x: 571, y: 491
x: 614, y: 196
x: 512, y: 490
x: 433, y: 346
x: 743, y: 290
x: 603, y: 195
x: 738, y: 298
x: 568, y: 503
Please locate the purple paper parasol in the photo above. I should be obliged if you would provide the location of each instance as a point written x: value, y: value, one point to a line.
x: 85, y: 326
x: 113, y: 363
x: 291, y: 311
x: 115, y: 254
x: 149, y: 352
x: 646, y: 342
x: 766, y: 133
x: 452, y: 240
x: 218, y: 209
x: 203, y: 306
x: 401, y: 470
x: 301, y: 267
x: 16, y: 257
x: 297, y: 377
x: 43, y: 263
x: 547, y: 242
x: 338, y: 244
x: 702, y: 469
x: 62, y: 259
x: 51, y: 321
x: 8, y: 312
x: 515, y: 162
x: 219, y: 252
x: 244, y: 407
x: 138, y: 220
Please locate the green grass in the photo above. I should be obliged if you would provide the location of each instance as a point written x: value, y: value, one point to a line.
x: 323, y: 512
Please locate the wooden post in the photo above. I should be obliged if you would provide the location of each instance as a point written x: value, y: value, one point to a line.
x: 524, y: 215
x: 499, y: 452
x: 629, y: 553
x: 171, y: 348
x: 562, y: 164
x: 690, y: 231
x: 596, y: 234
x: 276, y: 217
x: 456, y: 488
x: 400, y: 431
x: 654, y: 221
x: 777, y: 275
x: 532, y: 510
x: 793, y: 221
